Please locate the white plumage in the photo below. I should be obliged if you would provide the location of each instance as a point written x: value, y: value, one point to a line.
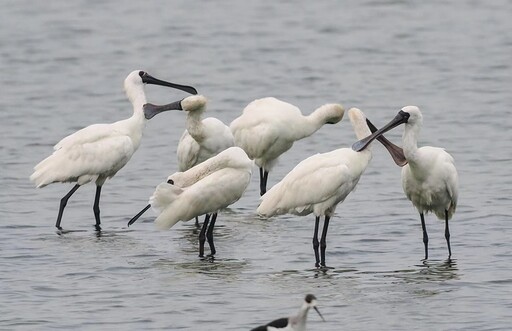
x: 319, y: 183
x: 268, y: 127
x: 99, y: 151
x: 205, y: 188
x: 429, y: 179
x: 203, y: 138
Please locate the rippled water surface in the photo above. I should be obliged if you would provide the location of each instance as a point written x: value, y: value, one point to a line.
x: 62, y: 65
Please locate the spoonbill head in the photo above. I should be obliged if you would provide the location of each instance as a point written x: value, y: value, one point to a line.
x: 203, y: 138
x: 99, y: 151
x: 319, y: 183
x: 430, y: 179
x: 268, y: 127
x: 203, y: 189
x: 296, y: 322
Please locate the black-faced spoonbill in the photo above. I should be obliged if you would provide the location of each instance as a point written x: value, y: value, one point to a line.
x: 319, y: 183
x: 205, y: 188
x: 430, y: 179
x: 99, y: 151
x: 296, y: 322
x: 268, y: 127
x: 203, y: 138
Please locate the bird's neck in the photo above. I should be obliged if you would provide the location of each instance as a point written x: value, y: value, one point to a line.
x: 360, y: 127
x: 310, y: 124
x: 195, y: 126
x: 137, y: 122
x: 410, y: 142
x: 137, y: 98
x: 301, y: 317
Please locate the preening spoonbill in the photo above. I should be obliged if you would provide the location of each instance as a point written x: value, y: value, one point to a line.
x: 319, y: 183
x: 201, y: 139
x: 430, y: 179
x: 99, y: 151
x: 203, y: 189
x: 296, y: 322
x: 268, y: 127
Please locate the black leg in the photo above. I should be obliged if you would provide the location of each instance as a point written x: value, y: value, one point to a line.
x: 323, y: 241
x: 96, y: 208
x: 447, y: 233
x: 316, y: 244
x: 209, y: 234
x: 63, y: 203
x: 425, y: 235
x: 197, y: 222
x: 263, y: 181
x: 202, y: 235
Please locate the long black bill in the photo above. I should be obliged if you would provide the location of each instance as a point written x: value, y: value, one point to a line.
x: 400, y: 118
x: 397, y: 153
x: 150, y: 110
x: 318, y: 311
x: 136, y: 217
x: 148, y: 79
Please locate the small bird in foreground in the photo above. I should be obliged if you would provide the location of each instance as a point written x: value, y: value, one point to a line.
x: 293, y: 323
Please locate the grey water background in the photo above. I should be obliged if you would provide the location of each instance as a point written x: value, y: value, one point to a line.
x: 62, y: 65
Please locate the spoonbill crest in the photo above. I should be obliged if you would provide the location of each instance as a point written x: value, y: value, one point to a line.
x: 318, y: 184
x: 268, y: 127
x: 203, y: 189
x: 99, y: 151
x: 296, y: 322
x: 430, y: 179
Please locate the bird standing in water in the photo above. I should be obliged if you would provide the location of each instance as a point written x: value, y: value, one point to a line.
x: 99, y: 151
x: 293, y: 323
x: 203, y: 189
x: 319, y: 183
x: 430, y: 179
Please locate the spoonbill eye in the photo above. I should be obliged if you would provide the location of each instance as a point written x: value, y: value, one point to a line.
x: 141, y: 73
x: 170, y: 181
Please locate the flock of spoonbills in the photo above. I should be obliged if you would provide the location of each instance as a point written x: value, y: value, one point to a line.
x: 215, y: 163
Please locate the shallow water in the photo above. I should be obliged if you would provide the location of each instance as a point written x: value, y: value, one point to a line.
x: 62, y: 67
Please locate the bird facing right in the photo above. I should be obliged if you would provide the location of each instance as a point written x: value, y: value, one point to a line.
x: 430, y: 179
x: 293, y: 323
x: 268, y: 127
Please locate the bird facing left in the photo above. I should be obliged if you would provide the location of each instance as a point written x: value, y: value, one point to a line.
x: 97, y: 152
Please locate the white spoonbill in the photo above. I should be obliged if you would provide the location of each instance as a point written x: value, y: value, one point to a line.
x: 319, y: 183
x: 430, y: 179
x: 99, y: 151
x: 203, y: 189
x: 293, y: 323
x: 201, y: 139
x: 268, y: 127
